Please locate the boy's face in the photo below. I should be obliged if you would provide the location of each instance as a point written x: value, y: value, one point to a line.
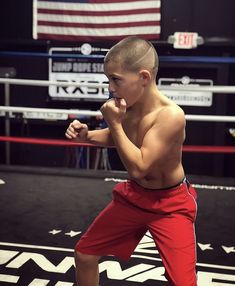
x: 123, y: 83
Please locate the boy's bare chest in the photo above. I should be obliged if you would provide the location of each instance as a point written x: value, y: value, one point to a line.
x: 136, y: 130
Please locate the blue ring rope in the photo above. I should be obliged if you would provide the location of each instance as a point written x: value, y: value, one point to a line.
x: 46, y: 55
x: 198, y: 59
x: 182, y: 59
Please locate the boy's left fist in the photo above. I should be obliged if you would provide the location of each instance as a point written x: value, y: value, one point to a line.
x: 113, y: 110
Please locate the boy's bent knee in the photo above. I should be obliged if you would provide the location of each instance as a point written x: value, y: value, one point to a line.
x: 85, y: 259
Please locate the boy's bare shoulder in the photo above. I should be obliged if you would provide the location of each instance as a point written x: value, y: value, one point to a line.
x: 171, y: 114
x: 173, y: 109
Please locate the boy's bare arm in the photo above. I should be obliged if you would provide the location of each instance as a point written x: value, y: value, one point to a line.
x: 100, y: 137
x: 79, y: 131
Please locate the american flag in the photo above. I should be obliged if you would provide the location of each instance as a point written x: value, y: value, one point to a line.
x: 94, y: 20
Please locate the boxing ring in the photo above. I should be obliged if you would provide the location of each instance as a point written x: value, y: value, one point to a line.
x: 44, y: 211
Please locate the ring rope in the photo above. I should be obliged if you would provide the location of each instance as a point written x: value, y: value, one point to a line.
x: 197, y: 59
x: 189, y: 117
x: 208, y: 149
x: 46, y: 83
x: 196, y: 186
x: 39, y: 141
x: 59, y: 142
x: 49, y: 110
x: 210, y: 118
x: 214, y: 89
x: 47, y: 55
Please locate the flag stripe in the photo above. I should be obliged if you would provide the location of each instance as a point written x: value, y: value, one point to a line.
x: 129, y: 5
x: 98, y: 32
x: 92, y: 1
x: 98, y: 19
x: 99, y: 26
x: 99, y: 13
x: 91, y: 38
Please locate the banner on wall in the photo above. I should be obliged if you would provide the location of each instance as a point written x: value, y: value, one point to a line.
x: 85, y: 70
x: 187, y: 98
x: 94, y: 20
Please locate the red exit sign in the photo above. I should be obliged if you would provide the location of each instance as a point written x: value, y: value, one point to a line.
x: 185, y: 40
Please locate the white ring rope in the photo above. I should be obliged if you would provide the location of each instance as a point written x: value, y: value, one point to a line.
x: 210, y: 118
x: 214, y: 89
x: 49, y: 110
x: 189, y: 117
x: 48, y: 83
x: 197, y: 186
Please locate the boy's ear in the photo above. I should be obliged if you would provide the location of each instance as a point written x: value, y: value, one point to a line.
x: 145, y: 76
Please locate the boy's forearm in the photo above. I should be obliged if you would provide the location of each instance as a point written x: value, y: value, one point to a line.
x: 100, y: 137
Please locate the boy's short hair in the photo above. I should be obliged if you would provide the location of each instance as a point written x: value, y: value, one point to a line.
x: 133, y: 54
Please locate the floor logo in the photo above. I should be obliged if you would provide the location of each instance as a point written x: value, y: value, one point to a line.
x: 55, y: 265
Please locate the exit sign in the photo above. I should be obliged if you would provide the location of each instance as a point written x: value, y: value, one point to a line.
x: 185, y: 40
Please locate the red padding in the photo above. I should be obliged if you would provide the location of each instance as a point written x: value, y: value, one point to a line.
x: 57, y: 142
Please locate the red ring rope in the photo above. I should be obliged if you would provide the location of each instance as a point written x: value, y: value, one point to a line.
x: 209, y: 149
x: 57, y: 142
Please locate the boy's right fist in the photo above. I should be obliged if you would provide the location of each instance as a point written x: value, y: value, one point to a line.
x: 77, y: 130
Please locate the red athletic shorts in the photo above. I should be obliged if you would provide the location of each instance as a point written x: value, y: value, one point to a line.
x: 168, y: 214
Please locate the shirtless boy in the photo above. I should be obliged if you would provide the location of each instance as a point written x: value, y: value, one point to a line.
x: 148, y: 131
